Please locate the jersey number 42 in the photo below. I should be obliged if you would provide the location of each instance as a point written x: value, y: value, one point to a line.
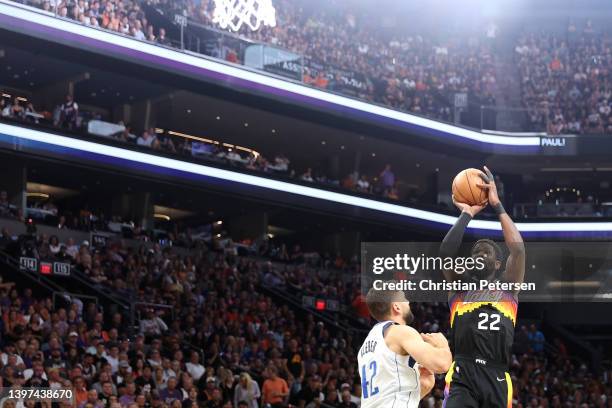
x: 367, y: 380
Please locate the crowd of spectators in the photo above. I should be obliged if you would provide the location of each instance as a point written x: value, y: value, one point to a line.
x: 566, y: 80
x: 226, y: 343
x: 122, y: 16
x: 344, y: 52
x: 385, y: 184
x: 69, y: 116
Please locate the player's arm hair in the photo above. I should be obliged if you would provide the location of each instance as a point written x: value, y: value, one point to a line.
x: 435, y: 359
x: 427, y: 382
x: 515, y: 264
x: 452, y: 241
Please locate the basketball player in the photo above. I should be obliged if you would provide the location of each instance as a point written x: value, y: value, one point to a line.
x: 482, y: 322
x: 396, y: 363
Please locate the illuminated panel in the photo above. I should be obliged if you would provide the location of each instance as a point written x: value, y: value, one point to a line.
x: 145, y: 159
x: 45, y: 268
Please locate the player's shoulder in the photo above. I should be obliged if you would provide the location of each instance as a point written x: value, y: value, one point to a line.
x: 509, y: 295
x: 400, y: 332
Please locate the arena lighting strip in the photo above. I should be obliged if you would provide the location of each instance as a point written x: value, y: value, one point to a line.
x: 32, y: 16
x: 232, y: 176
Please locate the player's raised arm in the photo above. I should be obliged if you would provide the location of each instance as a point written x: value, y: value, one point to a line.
x: 429, y: 350
x: 452, y: 241
x: 515, y: 265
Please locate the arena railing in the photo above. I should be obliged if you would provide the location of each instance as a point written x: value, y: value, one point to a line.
x: 345, y: 311
x: 290, y: 300
x: 38, y: 279
x: 74, y: 145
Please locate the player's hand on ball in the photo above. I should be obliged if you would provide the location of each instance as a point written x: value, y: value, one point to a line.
x: 489, y: 185
x: 470, y: 209
x: 435, y: 339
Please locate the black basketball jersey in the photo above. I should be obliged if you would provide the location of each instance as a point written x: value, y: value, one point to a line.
x: 482, y: 325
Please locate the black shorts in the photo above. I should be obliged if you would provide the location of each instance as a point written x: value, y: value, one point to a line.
x: 472, y: 385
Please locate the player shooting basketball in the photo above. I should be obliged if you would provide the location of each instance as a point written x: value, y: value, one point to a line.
x: 482, y: 323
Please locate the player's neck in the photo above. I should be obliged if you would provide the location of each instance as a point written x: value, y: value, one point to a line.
x: 398, y: 320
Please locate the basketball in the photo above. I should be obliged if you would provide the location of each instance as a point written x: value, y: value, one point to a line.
x: 466, y: 190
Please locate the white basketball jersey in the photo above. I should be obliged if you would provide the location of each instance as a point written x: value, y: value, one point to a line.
x: 388, y: 380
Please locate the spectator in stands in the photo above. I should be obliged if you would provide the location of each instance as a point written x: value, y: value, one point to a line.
x: 137, y: 31
x: 246, y: 391
x: 349, y: 400
x: 30, y: 113
x: 163, y: 142
x: 5, y: 240
x: 80, y: 391
x: 161, y: 38
x: 536, y: 339
x: 331, y: 397
x: 146, y: 139
x: 275, y: 389
x: 71, y: 248
x: 307, y: 175
x: 281, y: 163
x: 129, y: 394
x: 152, y: 325
x: 5, y: 206
x: 17, y: 111
x: 387, y: 178
x: 363, y: 184
x: 126, y: 135
x: 310, y: 393
x: 393, y: 193
x: 68, y: 114
x: 194, y: 368
x: 3, y: 106
x: 151, y: 34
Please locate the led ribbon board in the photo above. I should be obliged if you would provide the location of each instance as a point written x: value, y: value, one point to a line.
x: 145, y: 160
x: 35, y: 22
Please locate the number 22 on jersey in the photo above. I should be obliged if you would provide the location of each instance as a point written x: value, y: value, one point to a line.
x: 488, y: 321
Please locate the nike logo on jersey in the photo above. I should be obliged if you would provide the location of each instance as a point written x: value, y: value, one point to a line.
x: 500, y: 379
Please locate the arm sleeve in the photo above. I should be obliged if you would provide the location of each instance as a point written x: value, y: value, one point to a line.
x: 452, y: 241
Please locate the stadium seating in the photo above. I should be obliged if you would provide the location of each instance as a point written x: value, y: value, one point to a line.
x: 563, y: 79
x: 205, y: 321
